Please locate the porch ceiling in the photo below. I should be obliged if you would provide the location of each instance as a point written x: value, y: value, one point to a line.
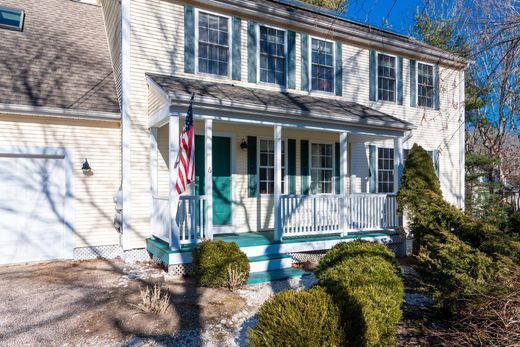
x: 279, y: 104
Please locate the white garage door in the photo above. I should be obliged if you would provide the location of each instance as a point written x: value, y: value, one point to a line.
x: 34, y: 214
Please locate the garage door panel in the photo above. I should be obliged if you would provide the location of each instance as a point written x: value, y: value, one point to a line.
x: 32, y: 208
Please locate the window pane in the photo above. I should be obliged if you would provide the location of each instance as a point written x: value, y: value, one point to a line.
x: 322, y: 65
x: 385, y: 173
x: 386, y: 81
x: 213, y: 45
x: 266, y: 166
x: 425, y: 88
x: 272, y: 55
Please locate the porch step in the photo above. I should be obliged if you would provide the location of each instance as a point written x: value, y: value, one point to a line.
x: 269, y: 262
x: 275, y: 275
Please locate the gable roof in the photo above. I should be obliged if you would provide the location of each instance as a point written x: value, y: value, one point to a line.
x: 308, y: 107
x: 59, y: 60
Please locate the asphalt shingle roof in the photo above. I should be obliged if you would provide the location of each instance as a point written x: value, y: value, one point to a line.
x: 60, y: 59
x: 309, y: 106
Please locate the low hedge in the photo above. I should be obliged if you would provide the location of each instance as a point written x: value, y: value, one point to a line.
x: 365, y: 280
x: 298, y: 318
x: 212, y: 261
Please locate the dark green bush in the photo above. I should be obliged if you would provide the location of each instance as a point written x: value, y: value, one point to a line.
x: 513, y: 224
x: 365, y: 280
x: 453, y: 270
x: 358, y: 248
x: 213, y: 259
x: 298, y: 318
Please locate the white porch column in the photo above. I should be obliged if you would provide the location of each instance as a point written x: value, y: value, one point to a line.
x: 173, y: 152
x: 208, y: 184
x: 343, y: 179
x: 153, y: 175
x: 398, y: 173
x: 277, y: 182
x: 398, y: 163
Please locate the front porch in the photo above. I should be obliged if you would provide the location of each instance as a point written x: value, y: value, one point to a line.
x: 296, y: 178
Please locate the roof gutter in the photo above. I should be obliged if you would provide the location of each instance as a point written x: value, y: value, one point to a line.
x: 42, y: 111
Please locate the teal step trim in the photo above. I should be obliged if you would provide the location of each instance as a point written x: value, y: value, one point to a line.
x: 268, y: 257
x: 275, y: 275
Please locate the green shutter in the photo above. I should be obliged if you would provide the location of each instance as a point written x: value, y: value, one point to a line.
x: 339, y: 69
x: 336, y: 168
x: 372, y: 168
x: 305, y: 62
x: 236, y: 49
x: 251, y: 51
x: 251, y: 166
x: 291, y: 165
x: 372, y: 90
x: 399, y: 80
x: 189, y: 39
x: 413, y: 83
x: 291, y: 54
x: 436, y: 99
x: 304, y: 166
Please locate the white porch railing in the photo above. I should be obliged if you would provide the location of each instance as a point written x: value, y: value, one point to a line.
x: 310, y: 214
x: 322, y: 214
x: 371, y: 211
x: 191, y: 219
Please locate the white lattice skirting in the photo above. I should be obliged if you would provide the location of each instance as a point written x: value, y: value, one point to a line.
x: 111, y: 252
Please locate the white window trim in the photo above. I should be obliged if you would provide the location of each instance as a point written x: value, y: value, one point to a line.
x: 230, y: 44
x: 22, y: 20
x: 333, y: 179
x: 257, y: 31
x: 377, y: 77
x: 417, y: 84
x: 309, y: 68
x: 285, y: 178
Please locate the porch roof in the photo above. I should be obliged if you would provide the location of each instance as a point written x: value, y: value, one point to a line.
x: 219, y: 95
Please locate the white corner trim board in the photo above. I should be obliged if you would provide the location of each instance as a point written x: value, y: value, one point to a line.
x: 41, y: 111
x: 126, y: 125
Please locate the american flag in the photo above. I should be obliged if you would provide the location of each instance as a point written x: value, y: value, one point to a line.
x: 186, y: 165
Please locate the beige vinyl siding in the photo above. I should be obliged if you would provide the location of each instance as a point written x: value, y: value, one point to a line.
x: 99, y: 142
x: 112, y: 18
x: 157, y: 46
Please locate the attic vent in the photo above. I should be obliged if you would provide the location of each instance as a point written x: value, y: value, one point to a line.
x: 11, y: 18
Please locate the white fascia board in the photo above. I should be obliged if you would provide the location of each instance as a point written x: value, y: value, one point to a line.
x: 288, y: 122
x: 42, y: 111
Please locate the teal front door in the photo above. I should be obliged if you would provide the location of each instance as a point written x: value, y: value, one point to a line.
x: 221, y: 180
x: 221, y: 166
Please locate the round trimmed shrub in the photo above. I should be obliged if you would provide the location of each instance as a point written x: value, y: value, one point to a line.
x: 212, y: 261
x: 298, y: 318
x: 365, y: 281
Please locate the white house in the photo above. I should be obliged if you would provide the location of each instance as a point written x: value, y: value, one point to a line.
x: 303, y: 121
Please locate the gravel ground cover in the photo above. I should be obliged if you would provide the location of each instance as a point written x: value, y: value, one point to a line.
x: 93, y: 303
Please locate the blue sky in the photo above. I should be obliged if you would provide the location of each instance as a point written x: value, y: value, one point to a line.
x: 401, y: 13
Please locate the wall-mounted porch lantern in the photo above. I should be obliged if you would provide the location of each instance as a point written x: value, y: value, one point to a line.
x: 87, y: 170
x: 243, y: 145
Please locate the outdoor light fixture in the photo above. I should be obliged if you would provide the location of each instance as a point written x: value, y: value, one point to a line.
x: 87, y: 170
x: 243, y: 145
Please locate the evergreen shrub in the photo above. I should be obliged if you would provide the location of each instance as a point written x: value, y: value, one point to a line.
x: 298, y: 318
x: 365, y: 280
x: 212, y: 260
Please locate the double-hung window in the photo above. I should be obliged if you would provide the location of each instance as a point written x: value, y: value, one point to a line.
x: 322, y: 65
x: 385, y: 170
x: 386, y: 77
x: 266, y: 167
x: 425, y: 86
x: 321, y: 168
x: 272, y: 55
x: 213, y: 44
